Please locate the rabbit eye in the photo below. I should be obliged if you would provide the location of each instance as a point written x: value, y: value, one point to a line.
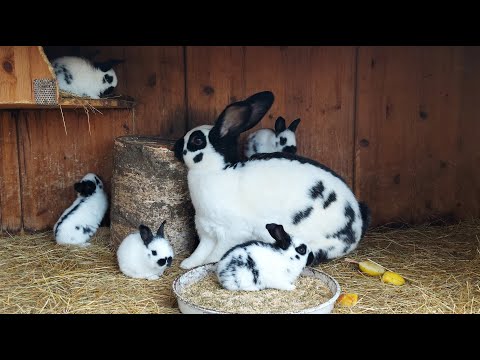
x: 197, y: 141
x: 154, y: 252
x: 302, y: 249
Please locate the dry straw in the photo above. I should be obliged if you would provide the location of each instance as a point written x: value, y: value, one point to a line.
x: 443, y: 262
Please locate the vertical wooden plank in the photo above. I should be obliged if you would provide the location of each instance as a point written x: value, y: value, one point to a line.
x: 10, y: 206
x: 8, y: 80
x: 468, y: 145
x: 313, y: 83
x: 408, y: 104
x: 52, y: 161
x: 155, y: 77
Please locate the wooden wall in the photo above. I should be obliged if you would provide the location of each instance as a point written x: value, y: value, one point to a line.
x: 399, y: 124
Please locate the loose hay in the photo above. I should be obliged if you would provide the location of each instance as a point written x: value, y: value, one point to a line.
x: 442, y: 263
x: 208, y: 293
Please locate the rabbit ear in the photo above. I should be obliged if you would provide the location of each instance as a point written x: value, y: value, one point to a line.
x: 242, y: 115
x: 160, y: 229
x: 283, y: 240
x: 293, y: 125
x: 279, y: 125
x: 145, y: 234
x: 107, y: 65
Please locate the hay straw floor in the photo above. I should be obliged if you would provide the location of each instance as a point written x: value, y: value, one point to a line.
x: 442, y: 262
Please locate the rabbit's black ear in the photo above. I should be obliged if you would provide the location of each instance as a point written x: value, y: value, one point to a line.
x: 283, y: 240
x: 293, y: 125
x: 160, y: 231
x: 107, y: 65
x: 85, y: 188
x: 242, y: 115
x: 279, y: 125
x: 145, y: 234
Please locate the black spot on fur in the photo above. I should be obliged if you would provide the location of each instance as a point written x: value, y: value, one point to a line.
x: 97, y: 181
x: 196, y: 141
x: 310, y: 258
x: 251, y: 266
x: 283, y: 140
x: 107, y: 92
x: 255, y: 149
x: 198, y: 158
x: 346, y: 234
x: 107, y: 79
x: 87, y: 230
x: 331, y: 198
x: 346, y: 248
x: 297, y: 257
x: 317, y: 190
x: 85, y: 188
x: 154, y: 253
x: 366, y: 217
x: 67, y: 215
x: 178, y: 149
x: 169, y: 261
x: 320, y: 257
x: 67, y: 76
x: 226, y: 146
x: 77, y: 227
x: 302, y: 249
x: 301, y: 215
x: 162, y: 262
x: 293, y: 157
x: 291, y: 149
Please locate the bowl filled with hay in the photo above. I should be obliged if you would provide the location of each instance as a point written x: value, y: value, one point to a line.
x: 199, y: 292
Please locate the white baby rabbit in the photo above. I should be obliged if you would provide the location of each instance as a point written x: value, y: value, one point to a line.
x: 142, y: 255
x: 80, y: 221
x: 256, y: 265
x: 268, y: 140
x: 83, y: 78
x: 234, y: 200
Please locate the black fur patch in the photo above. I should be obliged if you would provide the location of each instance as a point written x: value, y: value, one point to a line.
x: 77, y: 227
x: 85, y: 188
x: 255, y: 149
x: 185, y: 152
x: 346, y: 234
x: 107, y: 79
x: 162, y: 262
x: 331, y: 198
x: 196, y: 141
x: 302, y: 249
x: 297, y: 257
x: 169, y: 261
x: 293, y: 157
x: 226, y: 146
x: 310, y: 258
x: 366, y: 217
x: 106, y: 92
x: 154, y: 253
x: 178, y: 149
x: 291, y: 149
x: 198, y: 158
x: 299, y: 216
x: 251, y: 266
x: 97, y: 181
x: 320, y: 257
x: 68, y: 76
x: 87, y: 230
x: 283, y: 140
x: 317, y: 190
x: 67, y: 215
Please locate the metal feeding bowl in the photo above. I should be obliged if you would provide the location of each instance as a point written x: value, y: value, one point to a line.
x: 194, y: 275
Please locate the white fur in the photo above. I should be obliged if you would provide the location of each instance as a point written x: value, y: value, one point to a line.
x: 277, y: 268
x: 265, y: 141
x: 233, y: 204
x: 137, y: 261
x: 87, y: 80
x: 69, y: 229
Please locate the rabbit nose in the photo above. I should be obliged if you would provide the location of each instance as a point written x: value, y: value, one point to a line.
x: 169, y: 261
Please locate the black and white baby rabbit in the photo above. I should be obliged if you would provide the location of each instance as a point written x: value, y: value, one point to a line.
x: 256, y: 265
x: 80, y: 221
x: 234, y: 200
x: 142, y: 255
x: 83, y: 78
x: 268, y: 140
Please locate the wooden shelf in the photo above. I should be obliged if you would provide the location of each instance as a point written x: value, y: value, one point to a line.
x: 72, y: 103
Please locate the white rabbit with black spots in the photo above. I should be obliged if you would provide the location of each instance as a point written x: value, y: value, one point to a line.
x: 268, y: 140
x: 79, y: 222
x: 256, y: 265
x: 234, y: 200
x: 145, y: 256
x: 84, y: 78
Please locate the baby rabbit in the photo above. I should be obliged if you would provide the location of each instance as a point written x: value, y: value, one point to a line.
x: 268, y: 140
x: 80, y: 221
x: 80, y: 77
x: 257, y: 265
x: 142, y: 255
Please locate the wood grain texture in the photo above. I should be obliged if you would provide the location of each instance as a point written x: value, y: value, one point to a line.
x: 468, y: 144
x: 408, y: 108
x: 315, y: 84
x: 19, y: 66
x: 10, y: 205
x: 52, y: 161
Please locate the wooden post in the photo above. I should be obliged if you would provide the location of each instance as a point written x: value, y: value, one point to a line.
x: 148, y: 186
